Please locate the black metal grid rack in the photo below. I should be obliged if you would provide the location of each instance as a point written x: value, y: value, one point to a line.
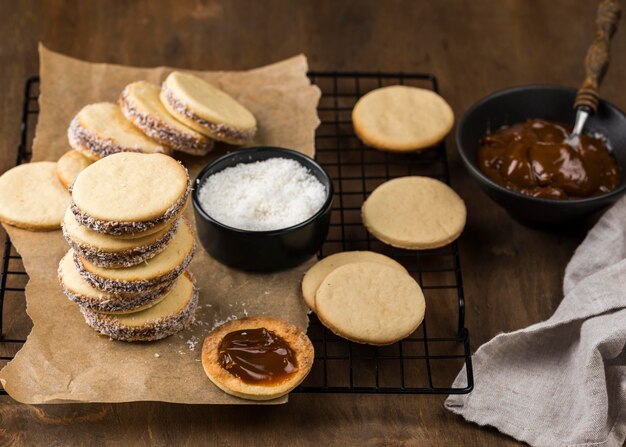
x: 425, y: 362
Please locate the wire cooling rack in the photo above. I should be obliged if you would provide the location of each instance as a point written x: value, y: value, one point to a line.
x: 425, y: 362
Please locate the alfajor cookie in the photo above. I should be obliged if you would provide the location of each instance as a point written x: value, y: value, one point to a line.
x: 31, y: 197
x: 82, y: 293
x: 414, y: 213
x: 207, y: 109
x: 402, y: 119
x: 70, y: 165
x: 316, y: 274
x: 141, y: 105
x: 99, y: 130
x: 162, y: 268
x: 104, y: 250
x: 172, y: 314
x: 130, y: 193
x: 257, y: 358
x: 370, y: 303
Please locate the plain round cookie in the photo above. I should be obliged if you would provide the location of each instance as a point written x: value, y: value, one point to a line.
x: 207, y: 109
x: 402, y: 119
x: 296, y: 338
x: 370, y: 303
x: 141, y: 105
x: 130, y: 187
x: 316, y: 274
x: 414, y: 213
x: 70, y: 165
x: 31, y: 197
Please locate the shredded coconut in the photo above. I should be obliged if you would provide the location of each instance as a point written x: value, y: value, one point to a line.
x: 265, y: 195
x: 192, y: 343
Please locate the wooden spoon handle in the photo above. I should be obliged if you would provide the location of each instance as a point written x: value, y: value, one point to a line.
x: 597, y: 59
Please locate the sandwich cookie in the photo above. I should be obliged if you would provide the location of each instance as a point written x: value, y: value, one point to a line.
x: 414, y: 213
x: 207, y: 109
x: 161, y: 269
x: 31, y: 197
x: 101, y: 129
x: 104, y: 250
x: 82, y: 293
x: 130, y: 193
x: 172, y: 314
x: 402, y: 119
x: 141, y: 105
x: 370, y: 303
x: 316, y: 274
x: 70, y: 165
x: 257, y: 358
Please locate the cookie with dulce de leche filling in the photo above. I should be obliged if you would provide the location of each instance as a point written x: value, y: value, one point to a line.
x: 99, y: 130
x: 129, y: 194
x: 172, y: 314
x: 141, y: 105
x: 207, y: 109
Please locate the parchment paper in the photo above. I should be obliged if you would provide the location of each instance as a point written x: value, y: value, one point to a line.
x: 63, y: 359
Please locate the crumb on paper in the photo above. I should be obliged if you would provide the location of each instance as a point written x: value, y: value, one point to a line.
x: 218, y: 323
x: 192, y: 343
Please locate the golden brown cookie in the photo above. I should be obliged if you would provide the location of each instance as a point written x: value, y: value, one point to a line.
x: 229, y: 363
x: 370, y: 303
x: 316, y: 274
x: 402, y: 119
x: 31, y: 197
x: 414, y: 213
x: 207, y: 109
x: 70, y: 165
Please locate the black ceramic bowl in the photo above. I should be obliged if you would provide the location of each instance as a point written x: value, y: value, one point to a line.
x: 263, y: 250
x: 555, y: 103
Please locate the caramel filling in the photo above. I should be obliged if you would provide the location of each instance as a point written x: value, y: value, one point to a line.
x: 257, y: 356
x: 534, y: 159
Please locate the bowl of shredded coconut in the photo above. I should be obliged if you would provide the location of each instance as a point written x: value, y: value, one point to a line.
x: 262, y: 208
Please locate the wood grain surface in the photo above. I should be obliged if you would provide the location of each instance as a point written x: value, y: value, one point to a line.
x: 512, y: 274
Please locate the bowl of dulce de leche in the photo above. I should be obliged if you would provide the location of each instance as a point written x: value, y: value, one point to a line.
x: 513, y: 143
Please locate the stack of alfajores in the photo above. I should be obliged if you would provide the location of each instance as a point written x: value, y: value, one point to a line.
x: 130, y: 248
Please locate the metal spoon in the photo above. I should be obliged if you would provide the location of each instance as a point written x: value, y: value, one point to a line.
x: 596, y: 64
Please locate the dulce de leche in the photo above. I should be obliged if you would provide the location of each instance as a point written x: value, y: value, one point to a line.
x: 533, y: 158
x: 257, y: 356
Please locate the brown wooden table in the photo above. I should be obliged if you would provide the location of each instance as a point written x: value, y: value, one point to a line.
x: 512, y: 274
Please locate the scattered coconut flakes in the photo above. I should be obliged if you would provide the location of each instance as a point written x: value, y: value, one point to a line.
x: 218, y: 323
x: 192, y: 343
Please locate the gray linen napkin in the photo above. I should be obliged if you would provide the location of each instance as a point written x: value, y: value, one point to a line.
x: 562, y: 382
